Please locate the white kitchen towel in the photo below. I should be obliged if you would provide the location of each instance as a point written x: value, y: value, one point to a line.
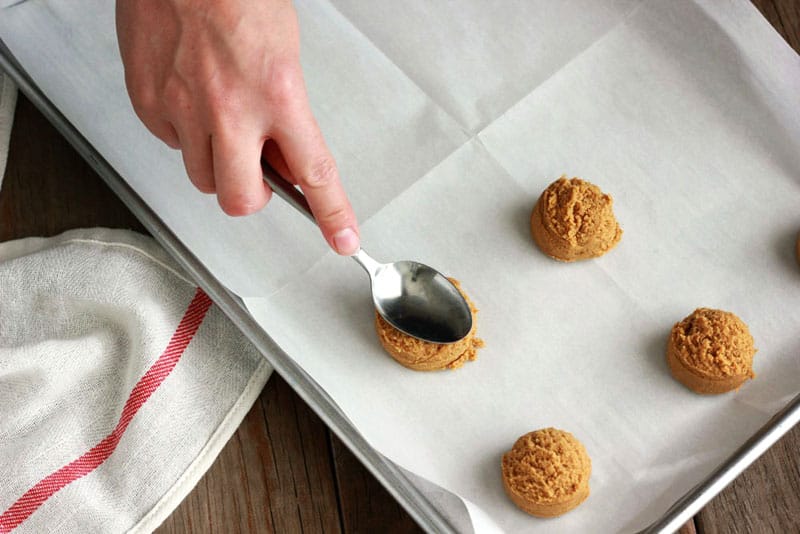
x: 8, y: 100
x: 120, y: 382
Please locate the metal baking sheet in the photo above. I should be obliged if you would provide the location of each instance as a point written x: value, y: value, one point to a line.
x: 395, y: 481
x: 428, y: 116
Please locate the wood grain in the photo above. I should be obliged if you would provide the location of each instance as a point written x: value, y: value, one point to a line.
x: 275, y: 475
x: 48, y: 188
x: 784, y: 15
x: 365, y: 505
x: 765, y: 498
x: 688, y: 528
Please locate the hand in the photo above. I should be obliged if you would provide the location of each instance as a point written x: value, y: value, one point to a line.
x: 221, y: 81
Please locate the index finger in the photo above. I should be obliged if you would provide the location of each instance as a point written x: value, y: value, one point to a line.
x: 314, y: 168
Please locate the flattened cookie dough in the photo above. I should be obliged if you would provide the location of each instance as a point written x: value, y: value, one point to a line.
x: 574, y: 220
x: 424, y: 356
x: 711, y: 351
x: 546, y: 473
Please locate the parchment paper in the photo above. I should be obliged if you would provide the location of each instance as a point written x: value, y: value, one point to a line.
x: 447, y: 120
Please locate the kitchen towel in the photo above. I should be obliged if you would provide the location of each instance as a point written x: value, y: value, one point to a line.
x: 120, y: 382
x: 8, y: 99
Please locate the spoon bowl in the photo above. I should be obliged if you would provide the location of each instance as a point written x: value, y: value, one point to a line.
x: 412, y: 297
x: 418, y: 300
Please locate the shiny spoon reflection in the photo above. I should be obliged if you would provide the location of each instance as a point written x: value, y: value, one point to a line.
x: 412, y: 297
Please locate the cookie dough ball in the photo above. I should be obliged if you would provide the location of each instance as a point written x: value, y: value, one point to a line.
x: 546, y: 473
x: 711, y: 351
x: 423, y: 355
x: 574, y: 220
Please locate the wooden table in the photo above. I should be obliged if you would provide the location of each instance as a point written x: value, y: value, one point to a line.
x: 283, y: 470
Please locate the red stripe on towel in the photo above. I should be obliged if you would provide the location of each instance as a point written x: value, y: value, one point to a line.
x: 89, y: 461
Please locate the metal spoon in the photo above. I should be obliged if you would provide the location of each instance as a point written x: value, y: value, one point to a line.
x: 410, y: 296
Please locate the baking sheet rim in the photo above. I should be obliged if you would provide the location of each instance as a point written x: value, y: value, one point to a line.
x: 412, y: 500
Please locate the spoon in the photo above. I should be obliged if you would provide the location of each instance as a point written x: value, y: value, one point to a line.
x: 412, y: 297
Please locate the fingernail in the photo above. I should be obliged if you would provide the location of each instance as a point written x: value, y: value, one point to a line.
x: 345, y: 242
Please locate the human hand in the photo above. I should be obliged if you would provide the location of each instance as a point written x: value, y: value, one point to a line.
x: 221, y: 81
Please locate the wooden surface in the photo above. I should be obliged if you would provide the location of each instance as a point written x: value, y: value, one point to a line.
x: 283, y: 471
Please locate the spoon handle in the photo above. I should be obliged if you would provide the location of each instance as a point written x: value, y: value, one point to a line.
x: 298, y: 201
x: 287, y: 191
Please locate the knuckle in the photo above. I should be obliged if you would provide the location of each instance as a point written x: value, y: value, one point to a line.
x: 239, y: 205
x: 160, y: 131
x: 235, y: 208
x: 171, y: 141
x: 321, y: 174
x: 166, y: 138
x: 144, y: 99
x: 201, y: 178
x: 284, y: 83
x: 205, y: 187
x: 336, y: 216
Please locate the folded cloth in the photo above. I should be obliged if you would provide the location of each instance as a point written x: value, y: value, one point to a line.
x: 8, y: 100
x: 120, y: 382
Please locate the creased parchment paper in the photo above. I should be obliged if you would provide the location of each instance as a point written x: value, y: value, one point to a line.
x: 447, y: 120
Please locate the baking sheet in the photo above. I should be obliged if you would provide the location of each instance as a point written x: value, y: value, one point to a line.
x: 686, y: 112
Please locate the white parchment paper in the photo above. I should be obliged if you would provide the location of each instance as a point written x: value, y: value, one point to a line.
x: 448, y: 119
